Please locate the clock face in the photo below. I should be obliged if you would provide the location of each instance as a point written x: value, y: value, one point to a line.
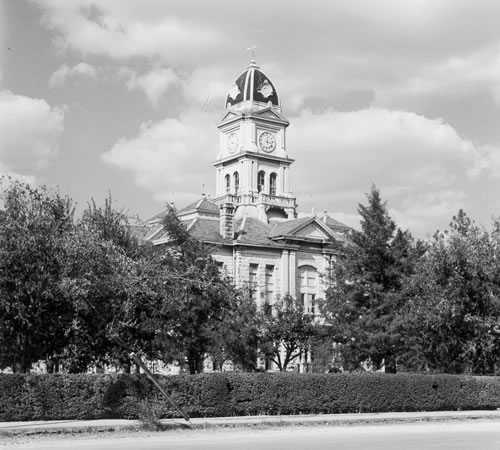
x: 232, y: 142
x: 267, y: 142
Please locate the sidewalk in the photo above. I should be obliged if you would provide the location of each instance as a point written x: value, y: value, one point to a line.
x: 79, y: 426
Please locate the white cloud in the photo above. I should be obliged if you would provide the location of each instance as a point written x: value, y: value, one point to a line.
x: 154, y: 83
x: 7, y: 178
x: 80, y: 70
x: 458, y: 75
x: 417, y: 211
x: 3, y: 40
x: 441, y: 59
x: 171, y: 156
x: 29, y: 132
x: 207, y: 87
x: 125, y: 29
x: 421, y: 165
x: 352, y: 220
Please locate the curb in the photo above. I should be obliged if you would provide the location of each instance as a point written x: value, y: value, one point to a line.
x: 114, y: 425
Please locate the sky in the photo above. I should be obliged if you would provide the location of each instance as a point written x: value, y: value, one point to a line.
x: 123, y: 97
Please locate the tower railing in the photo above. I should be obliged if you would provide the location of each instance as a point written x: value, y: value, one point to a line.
x: 254, y: 198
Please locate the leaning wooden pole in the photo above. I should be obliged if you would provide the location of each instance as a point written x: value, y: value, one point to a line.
x: 141, y: 364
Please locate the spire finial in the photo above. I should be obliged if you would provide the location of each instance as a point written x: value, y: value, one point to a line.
x: 252, y: 49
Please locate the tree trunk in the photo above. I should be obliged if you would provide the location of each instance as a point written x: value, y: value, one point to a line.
x: 195, y: 362
x: 390, y: 364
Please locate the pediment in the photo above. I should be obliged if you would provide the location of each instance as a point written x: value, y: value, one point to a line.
x: 230, y: 115
x: 269, y: 114
x: 313, y: 232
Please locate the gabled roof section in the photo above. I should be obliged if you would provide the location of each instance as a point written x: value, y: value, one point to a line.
x: 288, y: 227
x: 156, y: 232
x: 310, y: 228
x: 231, y: 115
x: 335, y: 224
x: 202, y: 206
x: 251, y: 231
x: 206, y: 229
x: 158, y: 217
x: 270, y: 113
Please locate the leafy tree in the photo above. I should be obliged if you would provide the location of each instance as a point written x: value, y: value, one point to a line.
x: 198, y: 306
x: 325, y: 352
x: 122, y: 295
x: 238, y: 338
x: 96, y: 280
x: 450, y: 323
x: 62, y: 285
x: 33, y: 311
x: 365, y: 293
x: 286, y: 331
x: 110, y: 224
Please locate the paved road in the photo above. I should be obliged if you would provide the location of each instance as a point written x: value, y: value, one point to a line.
x: 477, y: 435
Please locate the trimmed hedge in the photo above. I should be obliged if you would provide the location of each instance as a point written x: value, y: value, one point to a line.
x: 98, y: 396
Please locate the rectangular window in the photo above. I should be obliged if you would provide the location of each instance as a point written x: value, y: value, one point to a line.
x: 220, y: 267
x: 303, y: 278
x: 269, y: 283
x: 311, y: 279
x: 272, y: 184
x: 252, y: 280
x: 308, y: 300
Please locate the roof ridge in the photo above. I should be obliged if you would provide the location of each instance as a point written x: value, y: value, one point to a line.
x: 242, y: 225
x: 189, y: 226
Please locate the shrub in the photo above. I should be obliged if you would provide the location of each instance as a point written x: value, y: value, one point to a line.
x: 98, y: 396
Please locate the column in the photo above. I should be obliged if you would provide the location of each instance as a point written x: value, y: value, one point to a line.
x: 218, y: 190
x: 292, y: 273
x: 284, y: 273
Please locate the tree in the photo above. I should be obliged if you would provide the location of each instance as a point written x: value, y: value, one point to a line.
x: 450, y: 322
x: 198, y: 307
x: 33, y: 311
x: 121, y: 296
x: 286, y: 331
x: 110, y: 224
x: 365, y: 293
x: 62, y: 285
x: 96, y: 281
x: 238, y: 338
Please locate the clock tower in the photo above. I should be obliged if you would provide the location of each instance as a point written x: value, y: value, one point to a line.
x: 252, y: 166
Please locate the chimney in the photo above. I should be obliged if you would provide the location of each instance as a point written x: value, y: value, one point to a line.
x: 226, y: 221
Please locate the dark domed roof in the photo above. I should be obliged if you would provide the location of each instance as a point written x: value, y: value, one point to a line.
x: 252, y: 85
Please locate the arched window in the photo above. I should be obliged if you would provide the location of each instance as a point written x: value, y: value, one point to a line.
x: 236, y: 181
x: 261, y: 177
x: 228, y: 183
x: 272, y: 183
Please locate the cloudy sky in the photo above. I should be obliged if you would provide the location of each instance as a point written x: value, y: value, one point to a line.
x: 123, y: 96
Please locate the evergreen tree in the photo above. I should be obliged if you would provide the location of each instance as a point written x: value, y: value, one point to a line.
x: 365, y: 294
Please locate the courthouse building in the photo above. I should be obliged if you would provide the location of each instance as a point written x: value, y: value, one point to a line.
x: 252, y: 221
